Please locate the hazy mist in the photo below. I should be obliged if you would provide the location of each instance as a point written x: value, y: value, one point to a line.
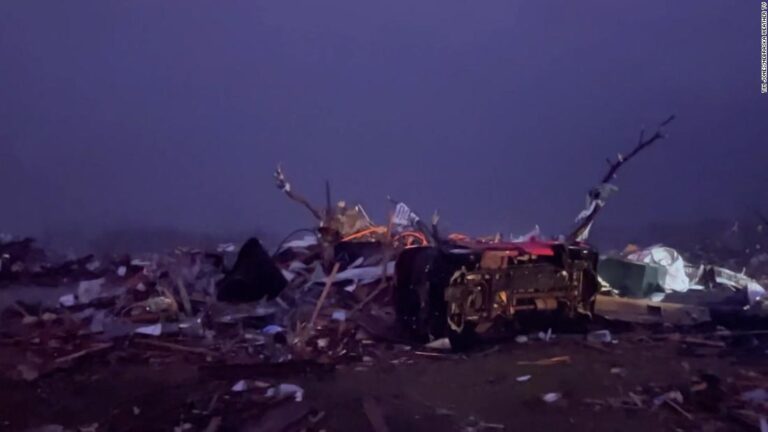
x: 131, y: 114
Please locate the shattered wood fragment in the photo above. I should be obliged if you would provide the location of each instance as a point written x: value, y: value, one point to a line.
x: 321, y: 300
x: 184, y: 294
x: 547, y: 362
x: 704, y: 342
x: 676, y: 337
x: 437, y: 355
x: 678, y: 408
x: 643, y: 311
x: 77, y: 355
x: 175, y: 347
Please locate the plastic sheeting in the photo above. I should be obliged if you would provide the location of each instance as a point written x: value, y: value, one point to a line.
x: 530, y: 236
x: 364, y: 275
x: 675, y: 278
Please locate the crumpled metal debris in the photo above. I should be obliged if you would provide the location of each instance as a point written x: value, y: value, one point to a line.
x: 675, y: 278
x: 678, y: 276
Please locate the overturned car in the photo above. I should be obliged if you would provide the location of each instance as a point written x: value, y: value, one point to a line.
x: 460, y: 287
x: 456, y: 289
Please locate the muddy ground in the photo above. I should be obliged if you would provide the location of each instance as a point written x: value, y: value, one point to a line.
x: 124, y: 392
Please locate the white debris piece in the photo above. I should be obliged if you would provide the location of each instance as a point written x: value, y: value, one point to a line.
x: 296, y: 265
x: 675, y: 278
x: 356, y: 263
x: 288, y: 275
x: 339, y: 315
x: 739, y: 281
x: 226, y: 247
x: 595, y: 199
x: 754, y: 291
x: 672, y: 396
x: 245, y: 385
x: 619, y: 371
x: 97, y: 322
x: 364, y: 275
x: 441, y: 344
x: 546, y: 337
x: 272, y: 329
x: 551, y: 397
x: 286, y: 390
x: 67, y: 300
x: 301, y: 243
x: 603, y: 336
x: 89, y: 290
x: 151, y: 330
x: 403, y: 216
x: 523, y: 378
x: 756, y: 396
x: 240, y: 386
x: 531, y: 235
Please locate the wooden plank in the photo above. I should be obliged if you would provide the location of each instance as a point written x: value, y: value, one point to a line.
x: 644, y: 311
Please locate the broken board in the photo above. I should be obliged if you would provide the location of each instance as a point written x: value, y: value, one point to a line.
x: 649, y: 312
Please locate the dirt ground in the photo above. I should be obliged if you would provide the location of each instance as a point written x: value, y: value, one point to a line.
x: 471, y: 392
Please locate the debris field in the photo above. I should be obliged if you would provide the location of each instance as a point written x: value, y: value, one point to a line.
x: 359, y: 326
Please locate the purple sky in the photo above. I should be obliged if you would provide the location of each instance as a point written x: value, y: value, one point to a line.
x: 498, y: 113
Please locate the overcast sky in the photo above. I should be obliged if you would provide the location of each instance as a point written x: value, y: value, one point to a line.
x: 498, y: 113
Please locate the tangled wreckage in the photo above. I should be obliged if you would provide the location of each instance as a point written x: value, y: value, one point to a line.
x: 459, y: 286
x: 327, y: 297
x: 437, y: 285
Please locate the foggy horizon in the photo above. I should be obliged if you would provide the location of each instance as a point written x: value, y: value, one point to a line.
x: 499, y: 115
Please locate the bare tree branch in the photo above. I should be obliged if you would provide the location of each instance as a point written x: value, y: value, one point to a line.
x: 285, y: 186
x: 595, y: 193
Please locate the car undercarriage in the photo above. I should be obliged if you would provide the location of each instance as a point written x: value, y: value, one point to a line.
x: 461, y: 289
